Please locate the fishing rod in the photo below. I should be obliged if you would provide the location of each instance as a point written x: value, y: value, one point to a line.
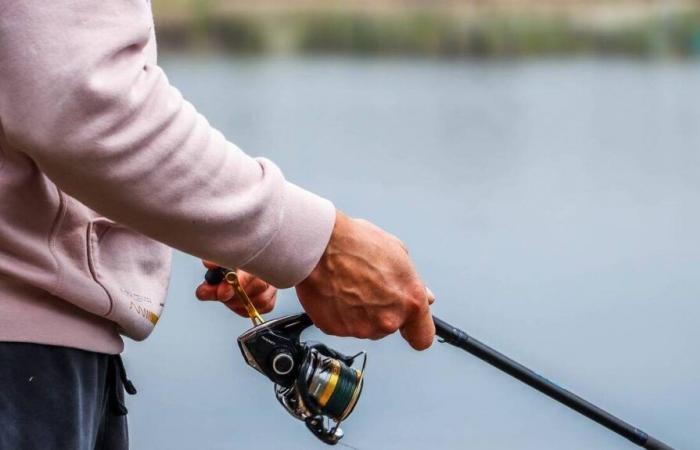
x: 321, y: 386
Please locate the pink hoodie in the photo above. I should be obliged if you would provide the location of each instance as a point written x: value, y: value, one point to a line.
x: 101, y: 160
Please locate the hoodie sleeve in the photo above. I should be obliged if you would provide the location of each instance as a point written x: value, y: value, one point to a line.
x: 81, y: 95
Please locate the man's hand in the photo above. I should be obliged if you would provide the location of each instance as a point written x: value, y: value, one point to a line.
x: 366, y: 286
x: 262, y: 294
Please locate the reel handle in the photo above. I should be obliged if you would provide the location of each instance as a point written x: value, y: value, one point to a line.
x: 215, y: 276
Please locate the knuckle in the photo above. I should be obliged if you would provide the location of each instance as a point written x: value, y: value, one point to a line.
x: 387, y: 324
x: 417, y: 298
x: 413, y: 306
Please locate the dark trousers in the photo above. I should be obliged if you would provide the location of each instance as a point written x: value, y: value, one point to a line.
x: 61, y: 398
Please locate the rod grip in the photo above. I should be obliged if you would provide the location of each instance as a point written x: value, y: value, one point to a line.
x: 655, y: 444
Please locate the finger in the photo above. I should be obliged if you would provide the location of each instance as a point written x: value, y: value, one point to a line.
x: 419, y: 331
x: 263, y: 296
x: 244, y: 278
x: 251, y: 284
x: 224, y: 292
x: 210, y: 264
x: 377, y: 336
x: 238, y: 309
x: 206, y: 292
x: 265, y: 302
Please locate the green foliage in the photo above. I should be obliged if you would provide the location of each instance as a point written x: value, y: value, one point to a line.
x: 237, y: 34
x: 426, y: 33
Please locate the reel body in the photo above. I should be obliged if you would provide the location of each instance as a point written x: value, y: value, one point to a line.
x: 313, y: 382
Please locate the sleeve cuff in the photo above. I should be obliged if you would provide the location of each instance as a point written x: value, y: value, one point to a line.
x: 306, y: 224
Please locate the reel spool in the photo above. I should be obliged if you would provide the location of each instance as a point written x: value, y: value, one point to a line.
x: 314, y: 383
x: 329, y: 385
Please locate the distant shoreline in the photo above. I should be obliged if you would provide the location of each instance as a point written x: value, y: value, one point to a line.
x: 429, y: 32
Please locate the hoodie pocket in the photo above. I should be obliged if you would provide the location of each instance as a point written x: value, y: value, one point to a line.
x: 133, y: 270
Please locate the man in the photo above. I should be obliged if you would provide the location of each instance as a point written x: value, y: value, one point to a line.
x: 103, y: 164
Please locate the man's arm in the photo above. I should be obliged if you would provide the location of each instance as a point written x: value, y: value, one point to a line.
x: 80, y: 97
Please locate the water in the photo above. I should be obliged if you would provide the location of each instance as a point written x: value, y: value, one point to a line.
x: 551, y: 206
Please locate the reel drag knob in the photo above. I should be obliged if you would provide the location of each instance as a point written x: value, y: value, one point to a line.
x: 282, y: 362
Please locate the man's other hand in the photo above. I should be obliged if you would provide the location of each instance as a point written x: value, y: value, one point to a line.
x: 366, y: 286
x: 262, y: 294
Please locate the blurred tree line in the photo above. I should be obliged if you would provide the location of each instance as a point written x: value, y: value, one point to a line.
x: 472, y: 28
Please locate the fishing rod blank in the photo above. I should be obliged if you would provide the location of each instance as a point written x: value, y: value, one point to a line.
x: 459, y: 338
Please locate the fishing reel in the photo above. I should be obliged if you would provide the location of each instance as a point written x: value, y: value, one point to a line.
x: 314, y: 383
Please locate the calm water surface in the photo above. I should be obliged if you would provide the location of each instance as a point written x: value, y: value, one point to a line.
x: 553, y: 207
